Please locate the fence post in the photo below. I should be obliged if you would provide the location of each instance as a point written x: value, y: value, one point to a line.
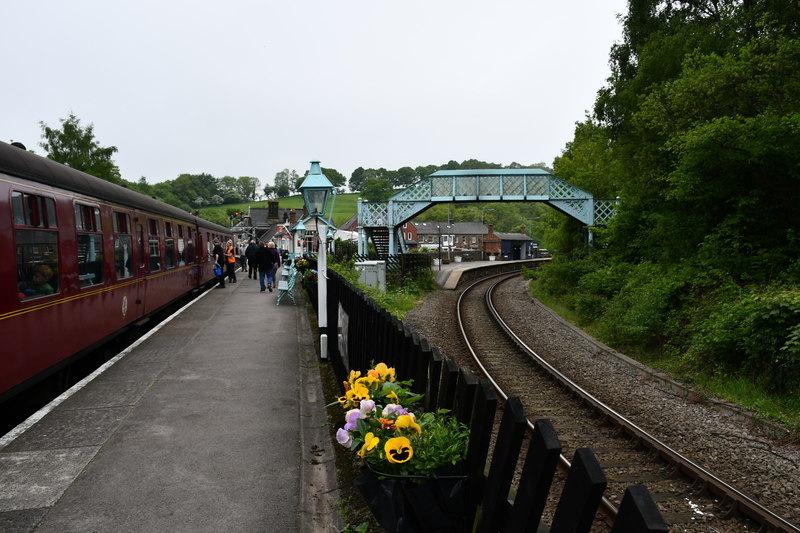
x: 537, y: 476
x: 421, y: 365
x: 465, y: 395
x: 639, y: 513
x: 504, y: 462
x: 581, y: 495
x: 435, y: 369
x: 480, y: 436
x: 447, y: 392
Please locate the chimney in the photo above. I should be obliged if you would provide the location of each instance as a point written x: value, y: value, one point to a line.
x: 490, y: 229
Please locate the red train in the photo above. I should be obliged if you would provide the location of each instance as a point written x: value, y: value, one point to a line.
x: 90, y: 258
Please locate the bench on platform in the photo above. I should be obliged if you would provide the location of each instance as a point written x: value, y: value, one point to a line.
x: 286, y: 285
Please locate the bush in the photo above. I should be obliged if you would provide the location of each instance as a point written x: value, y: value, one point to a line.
x: 639, y: 312
x: 755, y: 332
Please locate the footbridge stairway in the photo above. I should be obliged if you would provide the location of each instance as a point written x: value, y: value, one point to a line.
x: 377, y: 219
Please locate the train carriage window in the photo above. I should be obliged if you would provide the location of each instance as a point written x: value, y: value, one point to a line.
x: 181, y: 252
x: 89, y: 244
x: 123, y: 246
x: 169, y: 246
x: 33, y: 210
x: 190, y: 257
x: 37, y: 263
x: 140, y: 244
x: 153, y: 245
x: 36, y: 249
x: 169, y: 252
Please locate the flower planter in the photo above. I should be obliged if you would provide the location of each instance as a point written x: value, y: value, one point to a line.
x: 416, y: 505
x: 492, y: 258
x: 458, y: 259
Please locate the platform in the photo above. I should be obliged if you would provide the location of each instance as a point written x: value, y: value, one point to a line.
x: 213, y: 422
x: 448, y: 276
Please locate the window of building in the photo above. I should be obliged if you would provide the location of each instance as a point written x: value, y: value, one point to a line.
x: 36, y: 249
x: 123, y: 245
x: 89, y: 243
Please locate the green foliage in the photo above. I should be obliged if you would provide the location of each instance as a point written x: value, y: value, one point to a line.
x: 698, y: 133
x: 753, y: 332
x: 638, y: 312
x: 76, y: 147
x: 377, y: 189
x: 400, y: 296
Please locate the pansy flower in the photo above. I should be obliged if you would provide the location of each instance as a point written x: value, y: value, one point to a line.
x: 398, y: 450
x: 382, y: 372
x: 394, y: 408
x: 351, y: 419
x: 344, y: 438
x: 406, y: 422
x: 386, y: 423
x: 370, y: 442
x: 366, y: 407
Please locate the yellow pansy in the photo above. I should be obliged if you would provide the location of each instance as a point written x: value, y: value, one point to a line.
x: 398, y: 450
x: 382, y: 372
x: 370, y: 442
x: 407, y: 421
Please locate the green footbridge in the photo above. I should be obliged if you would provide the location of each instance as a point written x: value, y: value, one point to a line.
x: 377, y: 220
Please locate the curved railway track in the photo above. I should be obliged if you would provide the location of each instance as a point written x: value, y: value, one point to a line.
x: 690, y: 497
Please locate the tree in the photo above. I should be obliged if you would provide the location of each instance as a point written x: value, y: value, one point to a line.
x: 356, y: 180
x: 269, y: 192
x: 76, y: 147
x: 284, y: 182
x: 377, y: 189
x: 247, y: 187
x: 334, y: 176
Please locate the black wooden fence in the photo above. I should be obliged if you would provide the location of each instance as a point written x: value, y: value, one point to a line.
x: 360, y: 334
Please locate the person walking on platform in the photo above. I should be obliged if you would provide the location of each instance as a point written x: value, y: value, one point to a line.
x: 276, y: 262
x: 264, y: 260
x: 219, y: 262
x: 230, y: 261
x: 250, y: 253
x: 242, y: 258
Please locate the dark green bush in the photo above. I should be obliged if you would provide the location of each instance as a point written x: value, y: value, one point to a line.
x: 755, y: 332
x: 638, y: 313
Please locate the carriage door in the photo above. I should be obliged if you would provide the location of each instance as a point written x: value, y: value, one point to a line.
x: 141, y: 261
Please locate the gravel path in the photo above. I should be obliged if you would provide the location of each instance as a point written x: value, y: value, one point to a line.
x: 758, y: 458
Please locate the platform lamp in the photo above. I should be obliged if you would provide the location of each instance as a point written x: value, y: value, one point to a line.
x: 299, y: 230
x: 317, y: 190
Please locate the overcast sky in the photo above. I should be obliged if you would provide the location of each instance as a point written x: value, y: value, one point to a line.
x: 250, y: 87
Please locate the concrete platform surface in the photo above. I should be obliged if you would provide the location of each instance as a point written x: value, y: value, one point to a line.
x: 215, y: 422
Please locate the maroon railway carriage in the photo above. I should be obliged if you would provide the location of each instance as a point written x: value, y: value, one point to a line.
x: 82, y: 259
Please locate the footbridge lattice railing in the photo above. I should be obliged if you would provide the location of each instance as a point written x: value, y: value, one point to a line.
x: 492, y: 185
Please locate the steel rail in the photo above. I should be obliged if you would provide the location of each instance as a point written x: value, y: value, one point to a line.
x: 744, y: 503
x: 563, y: 462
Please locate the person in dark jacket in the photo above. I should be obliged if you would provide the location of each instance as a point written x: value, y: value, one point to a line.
x: 250, y: 254
x: 276, y: 262
x: 219, y: 261
x: 264, y: 261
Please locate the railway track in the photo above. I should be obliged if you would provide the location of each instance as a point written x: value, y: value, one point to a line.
x: 689, y: 496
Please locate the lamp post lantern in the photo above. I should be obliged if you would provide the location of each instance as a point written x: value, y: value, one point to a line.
x: 317, y: 190
x: 299, y: 230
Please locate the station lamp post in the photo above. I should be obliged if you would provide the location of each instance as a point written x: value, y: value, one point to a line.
x: 317, y: 190
x: 298, y: 230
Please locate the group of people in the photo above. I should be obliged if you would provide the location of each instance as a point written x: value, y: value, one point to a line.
x: 262, y: 259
